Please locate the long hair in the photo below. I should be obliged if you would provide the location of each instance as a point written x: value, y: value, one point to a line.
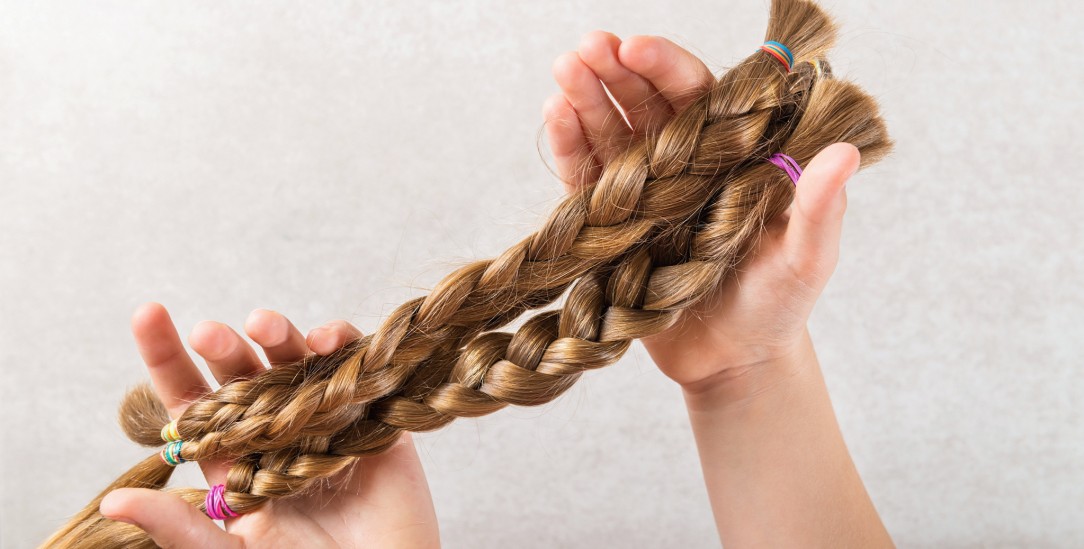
x: 667, y: 221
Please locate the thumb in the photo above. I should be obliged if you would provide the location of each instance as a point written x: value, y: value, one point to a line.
x: 811, y: 242
x: 169, y: 520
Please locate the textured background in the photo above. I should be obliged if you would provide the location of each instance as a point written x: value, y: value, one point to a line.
x: 334, y: 160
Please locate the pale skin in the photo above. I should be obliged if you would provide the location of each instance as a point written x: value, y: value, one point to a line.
x: 775, y: 464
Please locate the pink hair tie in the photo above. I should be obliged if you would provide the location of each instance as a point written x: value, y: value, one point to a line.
x: 787, y: 164
x: 216, y: 503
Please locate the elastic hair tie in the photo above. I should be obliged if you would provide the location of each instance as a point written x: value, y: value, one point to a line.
x: 171, y: 454
x: 169, y: 432
x: 216, y: 503
x: 787, y: 164
x: 780, y: 52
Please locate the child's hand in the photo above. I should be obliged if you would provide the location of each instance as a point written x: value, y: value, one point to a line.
x: 384, y: 502
x: 757, y: 317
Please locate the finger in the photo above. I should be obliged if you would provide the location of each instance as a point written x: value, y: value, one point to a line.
x: 576, y: 164
x: 644, y: 107
x: 604, y: 127
x: 227, y: 355
x: 176, y: 379
x: 674, y: 71
x: 169, y: 520
x: 811, y: 241
x: 331, y: 336
x: 282, y: 343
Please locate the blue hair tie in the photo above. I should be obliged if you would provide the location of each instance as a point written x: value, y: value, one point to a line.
x: 780, y: 52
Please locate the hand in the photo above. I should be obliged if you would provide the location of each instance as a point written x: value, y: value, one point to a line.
x: 759, y: 316
x: 382, y: 501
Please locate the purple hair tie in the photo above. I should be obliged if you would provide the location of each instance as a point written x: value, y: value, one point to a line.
x: 216, y: 503
x: 787, y: 164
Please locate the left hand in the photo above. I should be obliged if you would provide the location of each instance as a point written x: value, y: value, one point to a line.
x: 756, y: 317
x: 385, y: 501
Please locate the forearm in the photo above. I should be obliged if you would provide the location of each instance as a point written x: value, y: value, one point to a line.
x: 777, y: 469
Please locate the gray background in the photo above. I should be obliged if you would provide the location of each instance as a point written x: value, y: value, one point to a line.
x: 332, y: 160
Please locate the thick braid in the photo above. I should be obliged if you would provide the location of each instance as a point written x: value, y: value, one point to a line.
x: 666, y: 222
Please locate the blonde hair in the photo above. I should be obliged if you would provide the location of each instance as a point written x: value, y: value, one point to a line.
x: 668, y: 219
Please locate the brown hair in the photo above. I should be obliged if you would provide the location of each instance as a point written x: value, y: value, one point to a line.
x: 666, y: 221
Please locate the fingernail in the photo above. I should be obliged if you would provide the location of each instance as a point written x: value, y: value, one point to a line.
x: 857, y: 165
x: 215, y: 334
x: 329, y: 341
x: 280, y: 328
x: 315, y: 336
x: 276, y: 331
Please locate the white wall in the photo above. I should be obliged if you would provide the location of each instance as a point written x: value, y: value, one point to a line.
x: 336, y: 159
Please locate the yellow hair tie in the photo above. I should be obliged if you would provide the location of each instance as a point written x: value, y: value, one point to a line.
x: 169, y: 432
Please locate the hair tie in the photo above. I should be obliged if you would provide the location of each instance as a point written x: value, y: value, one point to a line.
x: 171, y: 454
x: 787, y: 164
x: 216, y: 503
x: 169, y: 432
x: 780, y: 52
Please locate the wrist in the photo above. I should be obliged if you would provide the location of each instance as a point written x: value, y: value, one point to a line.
x: 775, y: 463
x: 740, y: 382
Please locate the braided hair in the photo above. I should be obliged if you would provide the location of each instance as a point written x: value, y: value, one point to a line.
x: 669, y: 218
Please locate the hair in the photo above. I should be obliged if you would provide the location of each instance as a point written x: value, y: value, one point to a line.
x: 669, y: 218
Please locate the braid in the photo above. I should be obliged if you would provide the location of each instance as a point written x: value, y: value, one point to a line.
x: 669, y: 218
